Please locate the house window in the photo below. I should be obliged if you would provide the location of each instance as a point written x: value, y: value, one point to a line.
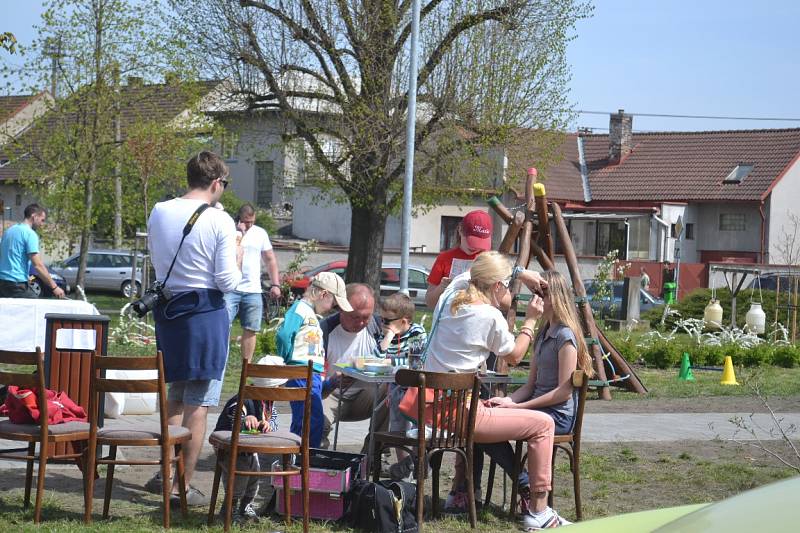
x: 732, y: 222
x: 265, y: 175
x: 230, y: 145
x: 738, y: 174
x: 611, y: 236
x: 332, y: 150
x: 689, y: 231
x: 448, y: 234
x: 18, y: 200
x: 639, y: 238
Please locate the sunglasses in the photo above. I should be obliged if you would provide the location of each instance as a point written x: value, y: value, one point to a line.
x: 224, y: 183
x: 387, y: 320
x: 505, y: 282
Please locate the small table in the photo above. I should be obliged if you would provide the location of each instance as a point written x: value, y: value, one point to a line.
x: 379, y: 379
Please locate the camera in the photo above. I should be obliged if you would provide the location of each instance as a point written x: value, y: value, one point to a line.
x: 153, y: 296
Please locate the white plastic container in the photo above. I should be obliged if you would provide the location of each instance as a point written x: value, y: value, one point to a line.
x: 756, y: 319
x: 712, y: 315
x: 130, y: 403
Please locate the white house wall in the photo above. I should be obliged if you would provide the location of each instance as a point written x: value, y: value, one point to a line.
x: 259, y: 140
x: 783, y: 201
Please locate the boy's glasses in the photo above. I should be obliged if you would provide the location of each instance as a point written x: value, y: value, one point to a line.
x: 388, y: 320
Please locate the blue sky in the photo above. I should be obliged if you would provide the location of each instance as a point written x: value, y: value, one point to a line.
x: 701, y: 57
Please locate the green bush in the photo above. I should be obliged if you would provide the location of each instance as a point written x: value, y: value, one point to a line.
x: 267, y: 342
x: 706, y: 355
x: 761, y: 354
x: 786, y: 356
x: 662, y: 354
x: 693, y: 305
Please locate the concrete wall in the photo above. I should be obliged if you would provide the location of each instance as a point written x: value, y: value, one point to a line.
x: 710, y: 237
x: 8, y: 193
x: 783, y: 201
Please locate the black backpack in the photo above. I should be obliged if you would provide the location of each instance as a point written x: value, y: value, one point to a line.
x: 383, y: 507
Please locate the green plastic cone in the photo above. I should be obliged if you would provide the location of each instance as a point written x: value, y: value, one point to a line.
x: 686, y: 368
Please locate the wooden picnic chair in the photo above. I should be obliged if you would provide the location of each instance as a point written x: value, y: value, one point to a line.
x: 229, y: 444
x: 570, y: 443
x: 452, y: 423
x: 46, y: 435
x: 165, y: 437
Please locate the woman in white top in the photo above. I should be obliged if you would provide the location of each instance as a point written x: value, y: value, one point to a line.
x: 471, y: 326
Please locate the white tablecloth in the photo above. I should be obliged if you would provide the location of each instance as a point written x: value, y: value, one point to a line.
x: 22, y: 324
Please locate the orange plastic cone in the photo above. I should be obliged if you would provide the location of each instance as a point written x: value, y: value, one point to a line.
x: 728, y: 375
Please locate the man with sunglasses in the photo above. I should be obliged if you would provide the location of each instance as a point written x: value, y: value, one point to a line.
x: 192, y: 325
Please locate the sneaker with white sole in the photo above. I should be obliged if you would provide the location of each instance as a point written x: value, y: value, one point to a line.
x: 246, y: 514
x: 544, y: 520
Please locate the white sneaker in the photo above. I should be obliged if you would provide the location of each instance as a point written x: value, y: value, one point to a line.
x: 545, y: 520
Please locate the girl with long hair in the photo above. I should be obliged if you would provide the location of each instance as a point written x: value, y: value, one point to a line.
x: 470, y: 325
x: 559, y: 349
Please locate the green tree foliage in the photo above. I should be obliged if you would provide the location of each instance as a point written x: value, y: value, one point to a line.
x: 337, y: 72
x: 75, y: 157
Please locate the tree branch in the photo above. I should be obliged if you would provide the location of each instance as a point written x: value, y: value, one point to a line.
x: 328, y: 45
x: 406, y: 31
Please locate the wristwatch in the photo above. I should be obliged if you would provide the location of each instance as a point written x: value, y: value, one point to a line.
x: 516, y: 272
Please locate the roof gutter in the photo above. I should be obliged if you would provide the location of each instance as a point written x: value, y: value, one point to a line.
x: 587, y: 192
x: 763, y: 230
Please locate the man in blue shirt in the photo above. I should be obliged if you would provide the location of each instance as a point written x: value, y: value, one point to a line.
x: 18, y: 249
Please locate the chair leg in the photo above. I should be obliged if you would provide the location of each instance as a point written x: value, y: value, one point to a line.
x: 112, y: 454
x: 304, y: 481
x: 229, y: 484
x: 29, y: 475
x: 376, y: 464
x: 181, y: 471
x: 88, y: 476
x: 422, y: 471
x: 215, y: 488
x: 490, y: 483
x: 37, y: 509
x: 473, y: 515
x: 166, y: 486
x: 287, y: 501
x: 512, y: 511
x: 436, y: 463
x: 576, y: 483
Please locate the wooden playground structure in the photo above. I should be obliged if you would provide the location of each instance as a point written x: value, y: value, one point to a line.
x: 530, y: 227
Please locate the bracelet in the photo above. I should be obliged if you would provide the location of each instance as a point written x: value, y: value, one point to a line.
x: 526, y: 333
x: 274, y: 285
x: 516, y: 272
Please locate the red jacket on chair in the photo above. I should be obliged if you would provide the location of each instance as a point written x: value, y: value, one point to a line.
x: 22, y: 407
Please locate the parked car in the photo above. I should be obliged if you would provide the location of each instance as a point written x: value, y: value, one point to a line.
x: 41, y: 289
x: 611, y: 305
x: 769, y: 282
x: 390, y: 279
x: 108, y: 270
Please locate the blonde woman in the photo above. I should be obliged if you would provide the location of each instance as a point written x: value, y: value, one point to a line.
x: 559, y: 349
x: 470, y: 326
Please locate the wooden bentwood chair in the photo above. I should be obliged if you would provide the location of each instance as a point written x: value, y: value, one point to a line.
x: 455, y: 398
x: 570, y: 443
x: 229, y: 444
x: 43, y: 433
x: 166, y: 437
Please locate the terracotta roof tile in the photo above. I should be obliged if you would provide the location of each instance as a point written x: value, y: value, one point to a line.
x: 562, y: 179
x: 9, y: 105
x: 690, y: 166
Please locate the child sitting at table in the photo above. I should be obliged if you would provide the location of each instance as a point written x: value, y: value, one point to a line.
x: 257, y: 416
x: 401, y: 338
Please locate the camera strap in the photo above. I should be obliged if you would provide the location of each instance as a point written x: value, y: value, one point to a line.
x: 186, y: 230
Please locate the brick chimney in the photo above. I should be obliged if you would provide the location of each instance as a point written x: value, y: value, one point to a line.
x: 620, y: 136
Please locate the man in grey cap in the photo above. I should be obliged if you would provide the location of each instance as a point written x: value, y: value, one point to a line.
x: 299, y: 341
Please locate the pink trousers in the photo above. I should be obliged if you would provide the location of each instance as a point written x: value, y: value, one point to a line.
x: 493, y: 424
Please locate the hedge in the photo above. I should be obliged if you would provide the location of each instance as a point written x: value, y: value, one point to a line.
x: 663, y: 354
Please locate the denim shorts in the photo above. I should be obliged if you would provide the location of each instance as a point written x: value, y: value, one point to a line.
x: 201, y: 392
x: 247, y: 306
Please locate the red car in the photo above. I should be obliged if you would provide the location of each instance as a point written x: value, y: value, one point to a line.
x: 302, y: 280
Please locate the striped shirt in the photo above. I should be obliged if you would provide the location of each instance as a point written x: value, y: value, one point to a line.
x: 413, y: 340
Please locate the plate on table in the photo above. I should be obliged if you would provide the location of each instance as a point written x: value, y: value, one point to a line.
x: 378, y: 368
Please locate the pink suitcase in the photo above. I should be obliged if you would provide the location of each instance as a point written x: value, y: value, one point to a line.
x: 330, y: 478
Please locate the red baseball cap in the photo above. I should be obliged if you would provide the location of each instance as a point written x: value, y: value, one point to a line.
x: 476, y: 227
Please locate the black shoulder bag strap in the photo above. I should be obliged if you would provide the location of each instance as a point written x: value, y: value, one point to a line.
x: 186, y: 230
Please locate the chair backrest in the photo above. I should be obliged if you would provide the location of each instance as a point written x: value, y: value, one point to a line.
x: 249, y: 391
x: 581, y: 382
x: 100, y: 384
x: 33, y: 378
x: 450, y: 404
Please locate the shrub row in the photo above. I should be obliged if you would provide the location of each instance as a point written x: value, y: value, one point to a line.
x: 662, y: 354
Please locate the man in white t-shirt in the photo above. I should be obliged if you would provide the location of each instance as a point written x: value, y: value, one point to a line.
x: 245, y: 302
x: 192, y: 326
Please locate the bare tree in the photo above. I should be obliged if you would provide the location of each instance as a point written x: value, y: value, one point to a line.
x: 788, y: 246
x: 337, y: 70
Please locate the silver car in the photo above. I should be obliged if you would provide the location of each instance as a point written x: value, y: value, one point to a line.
x: 105, y: 270
x: 417, y: 281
